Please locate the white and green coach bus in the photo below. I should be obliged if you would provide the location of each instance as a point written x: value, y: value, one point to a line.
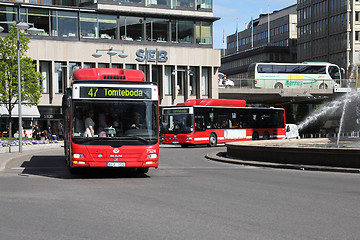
x: 295, y: 75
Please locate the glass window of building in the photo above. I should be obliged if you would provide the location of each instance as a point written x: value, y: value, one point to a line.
x: 72, y: 67
x: 7, y: 14
x: 140, y: 2
x: 88, y: 25
x: 134, y: 28
x: 204, y: 32
x: 185, y: 31
x: 45, y: 69
x: 157, y: 2
x: 40, y: 19
x: 157, y: 30
x: 108, y: 26
x: 103, y: 65
x: 145, y: 69
x: 156, y: 74
x: 64, y: 24
x: 60, y: 77
x: 181, y: 80
x: 89, y: 65
x: 168, y: 82
x: 182, y: 4
x: 174, y: 35
x: 205, y: 80
x: 122, y: 27
x: 194, y: 75
x: 207, y: 4
x: 130, y: 66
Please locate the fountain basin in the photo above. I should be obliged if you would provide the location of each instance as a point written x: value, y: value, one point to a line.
x: 319, y: 152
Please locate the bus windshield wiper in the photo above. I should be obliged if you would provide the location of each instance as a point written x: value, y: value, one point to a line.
x: 138, y: 138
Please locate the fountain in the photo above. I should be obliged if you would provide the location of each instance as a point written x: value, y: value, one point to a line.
x: 328, y: 152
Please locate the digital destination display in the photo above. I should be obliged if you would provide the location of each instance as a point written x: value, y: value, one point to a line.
x: 176, y: 111
x: 115, y: 92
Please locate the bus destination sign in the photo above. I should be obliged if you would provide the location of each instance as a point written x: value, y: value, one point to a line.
x: 115, y: 92
x: 176, y: 111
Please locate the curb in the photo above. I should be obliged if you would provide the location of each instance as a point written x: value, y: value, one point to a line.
x: 26, y: 152
x: 222, y: 157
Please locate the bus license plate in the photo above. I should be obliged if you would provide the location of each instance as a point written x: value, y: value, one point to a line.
x: 115, y: 164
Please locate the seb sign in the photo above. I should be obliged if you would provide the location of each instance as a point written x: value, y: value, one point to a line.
x: 151, y: 55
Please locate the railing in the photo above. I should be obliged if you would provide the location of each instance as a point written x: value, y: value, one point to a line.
x: 287, y: 83
x: 353, y: 134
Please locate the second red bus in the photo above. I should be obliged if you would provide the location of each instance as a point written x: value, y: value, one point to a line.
x: 213, y: 121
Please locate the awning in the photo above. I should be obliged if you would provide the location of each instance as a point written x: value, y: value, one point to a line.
x: 26, y: 111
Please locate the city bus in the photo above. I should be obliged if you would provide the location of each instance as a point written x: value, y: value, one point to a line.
x: 213, y: 121
x: 111, y: 120
x: 295, y: 75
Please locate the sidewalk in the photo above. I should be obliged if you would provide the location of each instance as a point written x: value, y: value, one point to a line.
x: 6, y: 156
x: 222, y: 157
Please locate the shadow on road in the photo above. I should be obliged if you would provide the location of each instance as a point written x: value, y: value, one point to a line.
x: 54, y: 166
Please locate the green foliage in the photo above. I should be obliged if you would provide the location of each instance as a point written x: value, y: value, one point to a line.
x: 30, y: 79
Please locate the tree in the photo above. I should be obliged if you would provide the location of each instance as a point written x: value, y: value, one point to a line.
x: 30, y: 79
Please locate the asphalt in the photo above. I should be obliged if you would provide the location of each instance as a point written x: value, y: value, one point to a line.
x: 29, y: 150
x: 8, y: 154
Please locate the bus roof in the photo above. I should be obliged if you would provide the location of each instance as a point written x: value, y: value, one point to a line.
x: 214, y: 102
x: 113, y: 74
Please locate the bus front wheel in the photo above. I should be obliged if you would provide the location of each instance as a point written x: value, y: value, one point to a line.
x: 212, y: 140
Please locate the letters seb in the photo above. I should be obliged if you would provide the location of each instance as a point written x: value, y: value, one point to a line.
x: 151, y: 55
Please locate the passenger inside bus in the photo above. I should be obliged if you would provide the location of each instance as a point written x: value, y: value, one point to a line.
x: 105, y: 122
x: 89, y: 124
x: 78, y: 123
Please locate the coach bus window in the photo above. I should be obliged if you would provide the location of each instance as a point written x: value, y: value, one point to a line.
x: 278, y: 69
x: 334, y: 72
x: 265, y: 68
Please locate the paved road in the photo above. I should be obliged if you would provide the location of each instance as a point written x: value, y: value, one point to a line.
x: 188, y: 197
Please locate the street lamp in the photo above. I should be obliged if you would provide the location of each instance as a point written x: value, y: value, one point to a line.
x: 31, y: 30
x: 111, y: 52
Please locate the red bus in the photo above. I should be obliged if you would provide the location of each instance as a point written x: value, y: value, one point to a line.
x: 212, y: 121
x: 111, y: 120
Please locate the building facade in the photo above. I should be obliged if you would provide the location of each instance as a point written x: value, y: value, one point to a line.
x: 171, y: 41
x: 329, y: 31
x: 269, y: 38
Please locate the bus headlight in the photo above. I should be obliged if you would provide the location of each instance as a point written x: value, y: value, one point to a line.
x: 152, y: 156
x: 78, y: 155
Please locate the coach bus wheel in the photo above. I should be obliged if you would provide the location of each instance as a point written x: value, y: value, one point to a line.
x: 212, y: 140
x: 323, y: 86
x: 142, y: 169
x: 255, y: 136
x: 279, y: 86
x: 266, y: 136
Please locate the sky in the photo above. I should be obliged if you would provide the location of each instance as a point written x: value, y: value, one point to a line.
x: 241, y: 11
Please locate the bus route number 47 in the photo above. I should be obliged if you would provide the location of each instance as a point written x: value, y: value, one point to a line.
x: 92, y: 92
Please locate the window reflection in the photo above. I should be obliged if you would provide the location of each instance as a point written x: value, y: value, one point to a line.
x: 134, y: 28
x: 157, y: 2
x: 108, y: 26
x: 131, y: 1
x: 203, y: 4
x: 157, y: 30
x: 64, y: 24
x: 40, y: 18
x: 185, y: 31
x: 88, y: 25
x: 7, y: 14
x: 182, y: 3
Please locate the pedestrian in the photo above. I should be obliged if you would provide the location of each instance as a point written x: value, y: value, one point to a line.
x: 61, y: 132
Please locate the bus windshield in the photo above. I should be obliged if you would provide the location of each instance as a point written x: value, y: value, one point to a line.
x: 96, y: 121
x: 177, y: 123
